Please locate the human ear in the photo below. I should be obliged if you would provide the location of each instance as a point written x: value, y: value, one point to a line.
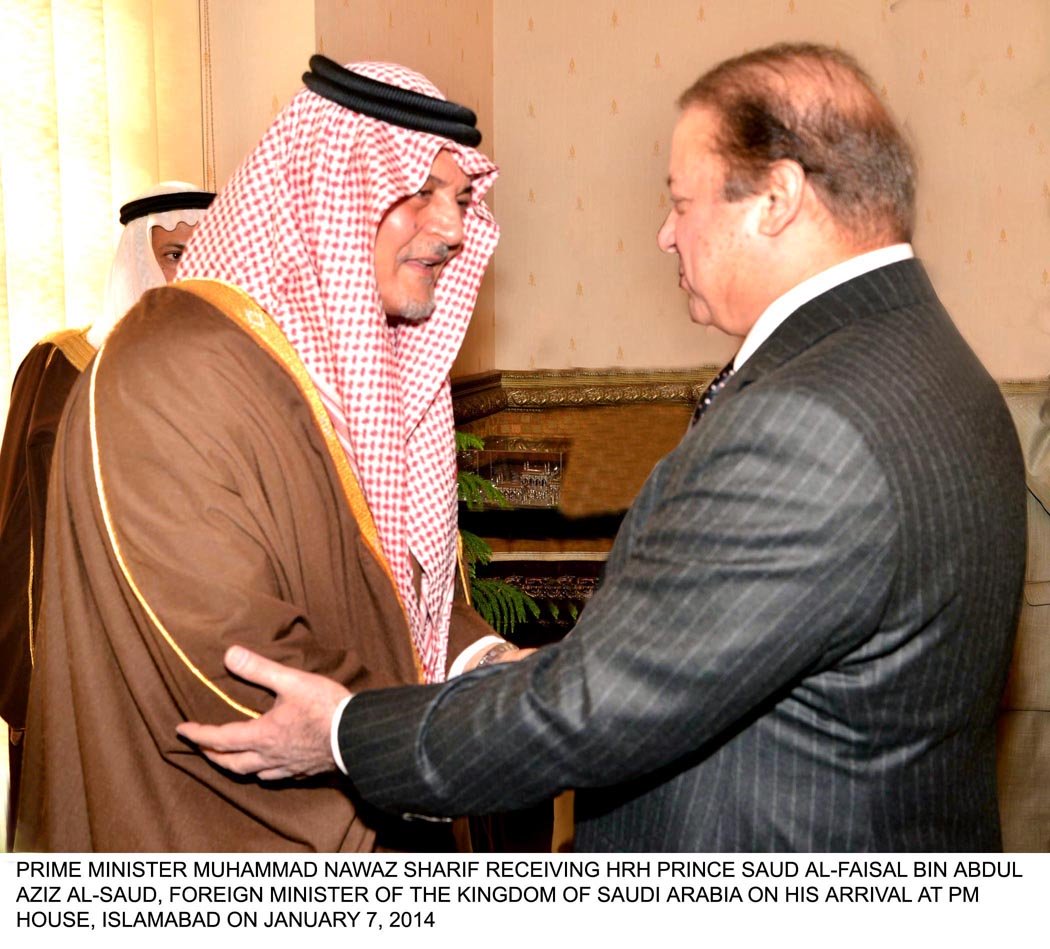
x: 782, y: 198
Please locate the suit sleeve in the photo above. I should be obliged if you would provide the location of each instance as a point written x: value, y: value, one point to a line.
x: 759, y: 552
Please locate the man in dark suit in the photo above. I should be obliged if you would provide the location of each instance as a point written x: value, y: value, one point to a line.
x: 808, y: 614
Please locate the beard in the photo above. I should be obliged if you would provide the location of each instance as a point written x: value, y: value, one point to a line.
x: 416, y: 311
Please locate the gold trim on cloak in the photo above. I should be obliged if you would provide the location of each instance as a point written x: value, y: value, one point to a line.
x: 74, y: 346
x: 238, y: 306
x: 461, y: 562
x: 118, y: 554
x: 32, y: 626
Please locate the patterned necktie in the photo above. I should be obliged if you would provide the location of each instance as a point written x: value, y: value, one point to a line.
x: 711, y: 391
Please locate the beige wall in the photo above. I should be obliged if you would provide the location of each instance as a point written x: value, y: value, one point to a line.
x: 576, y: 102
x: 450, y: 42
x: 254, y: 53
x: 584, y: 98
x: 176, y: 54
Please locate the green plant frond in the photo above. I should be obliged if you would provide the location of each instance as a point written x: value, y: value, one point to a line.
x: 465, y: 441
x: 502, y: 605
x: 493, y: 495
x: 470, y: 488
x: 476, y: 491
x: 475, y: 550
x: 482, y: 603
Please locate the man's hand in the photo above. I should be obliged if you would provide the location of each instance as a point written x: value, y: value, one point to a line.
x: 292, y: 740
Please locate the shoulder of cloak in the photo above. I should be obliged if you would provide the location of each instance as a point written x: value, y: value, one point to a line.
x: 243, y: 312
x: 73, y: 344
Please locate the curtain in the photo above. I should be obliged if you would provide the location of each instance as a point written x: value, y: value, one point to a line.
x: 99, y: 99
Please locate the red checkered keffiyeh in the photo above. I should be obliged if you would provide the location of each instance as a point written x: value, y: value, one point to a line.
x: 295, y: 228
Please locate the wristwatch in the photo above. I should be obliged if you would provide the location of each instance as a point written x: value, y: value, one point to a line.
x: 494, y: 653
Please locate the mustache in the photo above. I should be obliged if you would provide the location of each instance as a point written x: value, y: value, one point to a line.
x: 433, y: 255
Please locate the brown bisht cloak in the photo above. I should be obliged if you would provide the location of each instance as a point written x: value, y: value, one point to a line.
x: 199, y: 499
x: 42, y: 385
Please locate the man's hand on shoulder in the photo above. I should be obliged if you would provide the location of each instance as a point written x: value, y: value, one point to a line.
x: 292, y: 740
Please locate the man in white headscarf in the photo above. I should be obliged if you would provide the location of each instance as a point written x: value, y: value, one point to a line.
x: 157, y: 225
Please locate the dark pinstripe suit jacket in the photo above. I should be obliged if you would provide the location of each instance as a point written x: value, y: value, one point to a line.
x: 805, y: 625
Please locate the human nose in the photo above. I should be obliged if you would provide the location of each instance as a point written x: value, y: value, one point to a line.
x: 446, y: 221
x: 665, y: 236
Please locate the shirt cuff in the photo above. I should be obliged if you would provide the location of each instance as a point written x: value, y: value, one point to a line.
x: 334, y: 734
x: 479, y: 645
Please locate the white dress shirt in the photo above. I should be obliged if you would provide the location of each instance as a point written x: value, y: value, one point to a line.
x: 458, y: 668
x: 783, y: 306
